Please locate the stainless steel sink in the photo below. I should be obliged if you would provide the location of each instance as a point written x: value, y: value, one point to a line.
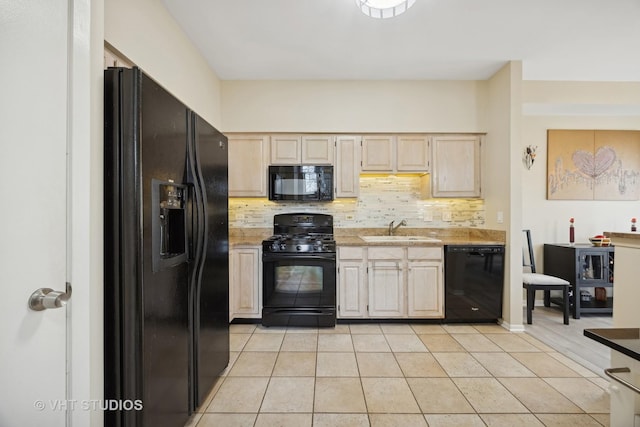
x: 399, y: 239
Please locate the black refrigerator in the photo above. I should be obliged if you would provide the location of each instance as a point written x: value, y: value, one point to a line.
x: 166, y: 289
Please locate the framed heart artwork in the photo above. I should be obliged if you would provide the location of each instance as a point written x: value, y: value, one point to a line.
x: 593, y: 164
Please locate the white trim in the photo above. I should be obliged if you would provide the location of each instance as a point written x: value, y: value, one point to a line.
x: 85, y: 309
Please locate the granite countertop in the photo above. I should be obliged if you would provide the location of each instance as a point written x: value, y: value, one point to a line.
x: 350, y: 236
x: 624, y: 340
x: 357, y: 241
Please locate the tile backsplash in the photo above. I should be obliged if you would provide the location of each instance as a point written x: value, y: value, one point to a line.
x: 382, y: 199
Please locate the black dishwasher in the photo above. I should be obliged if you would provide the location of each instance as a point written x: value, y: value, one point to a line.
x: 473, y: 281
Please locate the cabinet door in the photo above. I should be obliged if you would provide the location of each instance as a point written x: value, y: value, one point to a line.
x: 245, y: 284
x: 347, y: 166
x: 317, y: 149
x: 412, y: 153
x: 351, y: 288
x: 386, y: 289
x: 285, y: 150
x: 424, y: 289
x: 248, y: 160
x: 455, y: 168
x: 378, y: 153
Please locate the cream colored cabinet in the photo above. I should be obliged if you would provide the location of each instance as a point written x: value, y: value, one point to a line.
x: 390, y: 282
x: 425, y: 289
x: 455, y: 169
x: 385, y: 275
x: 395, y: 153
x: 317, y: 149
x: 285, y: 149
x: 378, y: 153
x: 347, y: 166
x: 352, y: 291
x: 248, y: 161
x: 302, y: 149
x: 245, y: 284
x: 412, y: 153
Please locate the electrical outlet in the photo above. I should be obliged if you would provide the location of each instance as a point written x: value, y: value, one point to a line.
x: 500, y: 217
x: 427, y: 217
x: 446, y: 216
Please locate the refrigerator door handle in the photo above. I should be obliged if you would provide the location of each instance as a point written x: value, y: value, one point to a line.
x: 200, y: 228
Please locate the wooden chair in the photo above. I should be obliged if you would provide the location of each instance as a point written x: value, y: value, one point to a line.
x: 533, y: 282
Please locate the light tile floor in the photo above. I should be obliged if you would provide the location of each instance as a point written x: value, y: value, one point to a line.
x: 385, y: 375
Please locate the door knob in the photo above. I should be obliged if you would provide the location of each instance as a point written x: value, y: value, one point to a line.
x: 45, y: 298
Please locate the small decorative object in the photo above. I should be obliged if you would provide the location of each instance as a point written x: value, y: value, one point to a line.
x: 600, y: 240
x: 585, y: 296
x: 530, y: 155
x: 572, y: 234
x: 633, y: 225
x: 601, y: 294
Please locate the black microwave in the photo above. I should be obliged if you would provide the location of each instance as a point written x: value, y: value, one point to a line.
x: 301, y: 183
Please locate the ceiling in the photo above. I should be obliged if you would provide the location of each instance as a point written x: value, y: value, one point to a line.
x: 588, y: 40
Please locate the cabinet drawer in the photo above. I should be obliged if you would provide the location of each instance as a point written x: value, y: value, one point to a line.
x: 424, y: 253
x: 349, y: 252
x: 383, y: 252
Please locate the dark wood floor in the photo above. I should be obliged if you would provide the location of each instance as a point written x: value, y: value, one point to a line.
x: 569, y: 339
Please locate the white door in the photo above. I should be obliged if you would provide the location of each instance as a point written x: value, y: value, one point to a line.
x: 34, y: 133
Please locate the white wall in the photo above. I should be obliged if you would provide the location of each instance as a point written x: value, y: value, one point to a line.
x: 501, y: 179
x: 146, y: 34
x: 352, y: 106
x: 572, y: 105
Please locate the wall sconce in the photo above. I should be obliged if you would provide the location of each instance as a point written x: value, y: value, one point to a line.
x: 529, y: 155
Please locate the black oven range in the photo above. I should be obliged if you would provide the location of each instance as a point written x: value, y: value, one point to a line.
x: 299, y: 271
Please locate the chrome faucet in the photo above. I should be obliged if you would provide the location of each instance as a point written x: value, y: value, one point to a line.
x: 392, y: 228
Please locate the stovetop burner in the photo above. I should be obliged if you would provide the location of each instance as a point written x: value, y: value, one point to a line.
x: 301, y: 233
x: 299, y: 243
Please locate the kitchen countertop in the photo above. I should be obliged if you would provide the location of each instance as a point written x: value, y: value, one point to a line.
x: 357, y: 241
x: 624, y: 340
x: 614, y: 234
x: 350, y: 236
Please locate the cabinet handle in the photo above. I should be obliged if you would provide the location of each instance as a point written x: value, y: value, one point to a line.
x: 611, y: 371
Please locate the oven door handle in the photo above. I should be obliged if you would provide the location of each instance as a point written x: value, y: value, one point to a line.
x: 279, y: 256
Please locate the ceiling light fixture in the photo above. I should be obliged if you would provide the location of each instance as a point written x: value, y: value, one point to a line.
x: 384, y: 8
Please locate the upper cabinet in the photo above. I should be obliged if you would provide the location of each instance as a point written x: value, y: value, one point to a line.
x: 395, y: 153
x: 451, y: 163
x: 302, y: 149
x: 317, y: 149
x: 347, y: 166
x: 378, y: 153
x: 455, y: 171
x: 412, y: 153
x: 248, y: 161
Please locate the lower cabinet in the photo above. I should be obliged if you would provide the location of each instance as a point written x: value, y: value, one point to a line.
x: 352, y: 293
x: 425, y: 284
x: 245, y: 284
x: 385, y: 273
x: 390, y: 282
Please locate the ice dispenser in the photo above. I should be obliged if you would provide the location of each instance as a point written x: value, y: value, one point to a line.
x: 169, y: 224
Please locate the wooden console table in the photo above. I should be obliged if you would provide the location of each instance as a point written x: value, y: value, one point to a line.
x: 586, y: 267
